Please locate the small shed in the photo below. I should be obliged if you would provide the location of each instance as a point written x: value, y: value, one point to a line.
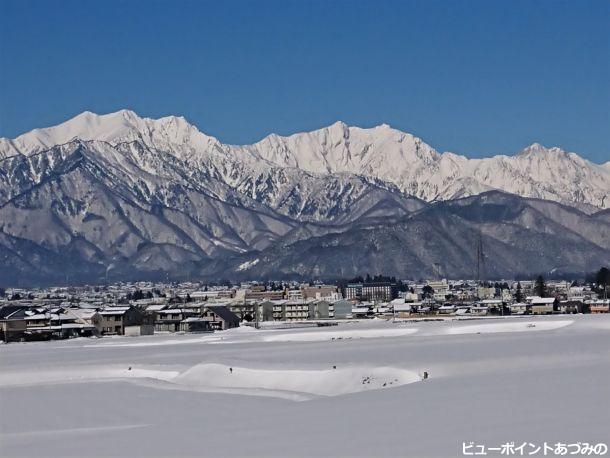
x: 195, y: 324
x: 140, y: 330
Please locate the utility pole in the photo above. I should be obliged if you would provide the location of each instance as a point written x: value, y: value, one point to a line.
x: 480, y: 262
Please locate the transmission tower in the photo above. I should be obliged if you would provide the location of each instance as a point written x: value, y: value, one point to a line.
x: 480, y: 260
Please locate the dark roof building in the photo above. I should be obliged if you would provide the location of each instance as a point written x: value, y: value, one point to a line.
x: 220, y: 317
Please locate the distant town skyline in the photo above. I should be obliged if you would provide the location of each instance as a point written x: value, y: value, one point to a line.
x: 475, y: 78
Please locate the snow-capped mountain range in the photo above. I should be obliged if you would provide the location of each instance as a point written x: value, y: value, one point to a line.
x: 122, y: 195
x: 381, y: 153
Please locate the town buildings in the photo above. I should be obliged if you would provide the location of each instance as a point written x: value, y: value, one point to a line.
x: 135, y: 309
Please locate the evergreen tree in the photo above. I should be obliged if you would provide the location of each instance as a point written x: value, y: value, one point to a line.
x: 519, y: 293
x: 602, y: 280
x: 402, y: 286
x: 540, y: 286
x: 427, y: 291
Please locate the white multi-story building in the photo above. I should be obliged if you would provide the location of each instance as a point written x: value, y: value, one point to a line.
x: 382, y: 291
x: 439, y: 286
x: 294, y: 294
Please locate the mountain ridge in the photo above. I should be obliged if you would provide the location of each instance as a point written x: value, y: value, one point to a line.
x: 380, y: 153
x: 520, y: 237
x: 121, y: 196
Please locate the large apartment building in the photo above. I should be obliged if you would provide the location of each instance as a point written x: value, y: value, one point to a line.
x: 381, y: 291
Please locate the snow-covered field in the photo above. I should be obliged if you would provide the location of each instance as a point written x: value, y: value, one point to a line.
x: 351, y: 390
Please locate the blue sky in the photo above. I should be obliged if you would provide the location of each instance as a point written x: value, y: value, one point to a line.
x: 473, y: 77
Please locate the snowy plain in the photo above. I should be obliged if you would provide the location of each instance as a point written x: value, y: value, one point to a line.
x: 351, y: 390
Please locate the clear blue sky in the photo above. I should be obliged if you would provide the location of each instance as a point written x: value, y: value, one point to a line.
x: 474, y: 77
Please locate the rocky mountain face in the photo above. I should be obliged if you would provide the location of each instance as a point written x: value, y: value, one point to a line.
x: 119, y: 196
x: 520, y: 237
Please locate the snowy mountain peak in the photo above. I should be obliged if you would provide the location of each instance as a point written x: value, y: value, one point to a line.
x: 383, y: 126
x: 168, y: 133
x: 537, y: 148
x: 339, y: 125
x: 89, y: 116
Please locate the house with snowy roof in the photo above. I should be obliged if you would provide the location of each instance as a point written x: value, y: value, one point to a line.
x: 169, y: 319
x: 446, y: 309
x: 541, y: 305
x: 220, y: 317
x: 12, y: 323
x: 519, y: 308
x: 599, y: 306
x: 114, y: 319
x: 195, y: 324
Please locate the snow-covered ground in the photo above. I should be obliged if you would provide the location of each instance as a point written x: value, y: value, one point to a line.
x: 351, y: 390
